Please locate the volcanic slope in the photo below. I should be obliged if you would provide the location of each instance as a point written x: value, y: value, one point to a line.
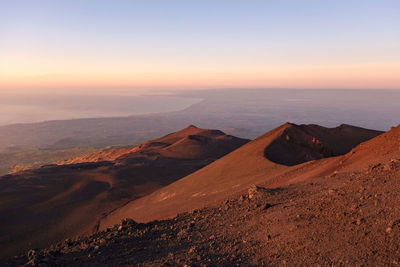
x: 348, y: 218
x: 189, y: 143
x: 41, y: 206
x: 251, y: 164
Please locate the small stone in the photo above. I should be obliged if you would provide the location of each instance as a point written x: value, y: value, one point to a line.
x: 182, y: 234
x: 191, y: 224
x: 128, y: 221
x: 266, y: 206
x: 387, y: 167
x: 360, y: 221
x: 120, y: 228
x: 389, y: 230
x: 253, y: 190
x: 31, y: 254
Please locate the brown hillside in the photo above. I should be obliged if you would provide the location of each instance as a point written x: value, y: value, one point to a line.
x: 347, y: 219
x: 68, y: 200
x: 248, y: 165
x: 189, y: 143
x: 301, y: 143
x: 383, y: 148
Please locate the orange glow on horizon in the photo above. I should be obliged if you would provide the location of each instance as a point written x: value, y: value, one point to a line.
x: 376, y: 75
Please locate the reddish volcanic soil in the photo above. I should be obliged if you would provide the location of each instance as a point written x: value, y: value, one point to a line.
x: 347, y: 219
x: 301, y: 143
x: 42, y: 206
x: 246, y: 166
x: 247, y: 209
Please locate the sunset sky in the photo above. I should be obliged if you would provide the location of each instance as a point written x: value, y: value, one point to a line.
x: 106, y: 46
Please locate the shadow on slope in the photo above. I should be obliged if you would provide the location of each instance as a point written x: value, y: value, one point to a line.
x: 42, y: 206
x: 349, y: 219
x: 241, y: 168
x: 301, y: 143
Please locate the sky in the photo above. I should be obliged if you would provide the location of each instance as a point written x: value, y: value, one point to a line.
x: 110, y: 46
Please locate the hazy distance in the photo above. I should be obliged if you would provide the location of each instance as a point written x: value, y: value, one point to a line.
x: 251, y: 108
x: 28, y: 108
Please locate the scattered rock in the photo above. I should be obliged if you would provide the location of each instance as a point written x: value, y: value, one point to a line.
x: 182, y: 234
x: 254, y: 190
x: 374, y: 167
x: 331, y: 210
x: 360, y: 221
x: 31, y: 254
x: 266, y: 206
x: 128, y: 221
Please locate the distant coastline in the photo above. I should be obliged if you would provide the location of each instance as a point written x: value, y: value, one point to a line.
x: 16, y: 109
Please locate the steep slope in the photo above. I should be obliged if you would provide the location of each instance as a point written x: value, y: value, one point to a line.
x: 248, y: 165
x: 302, y: 143
x: 68, y: 200
x: 189, y: 143
x: 380, y: 149
x: 350, y: 219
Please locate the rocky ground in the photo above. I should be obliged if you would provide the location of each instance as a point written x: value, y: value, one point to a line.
x: 344, y: 219
x: 42, y: 206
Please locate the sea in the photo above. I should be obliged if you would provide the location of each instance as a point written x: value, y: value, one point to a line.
x: 30, y: 108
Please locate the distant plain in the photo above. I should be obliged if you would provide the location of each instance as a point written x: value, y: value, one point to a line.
x: 31, y: 108
x: 66, y: 126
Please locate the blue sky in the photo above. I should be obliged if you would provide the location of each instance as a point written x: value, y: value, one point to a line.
x: 160, y: 43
